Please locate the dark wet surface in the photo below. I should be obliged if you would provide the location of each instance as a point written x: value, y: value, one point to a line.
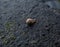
x: 14, y: 31
x: 53, y: 4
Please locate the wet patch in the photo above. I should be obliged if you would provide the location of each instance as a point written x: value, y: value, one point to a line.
x: 53, y: 4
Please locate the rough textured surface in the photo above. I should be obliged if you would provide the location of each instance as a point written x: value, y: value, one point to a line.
x: 14, y: 32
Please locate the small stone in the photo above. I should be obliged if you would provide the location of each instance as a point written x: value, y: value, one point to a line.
x: 30, y: 21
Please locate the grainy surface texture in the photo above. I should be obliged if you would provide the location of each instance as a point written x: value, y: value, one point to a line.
x: 14, y: 32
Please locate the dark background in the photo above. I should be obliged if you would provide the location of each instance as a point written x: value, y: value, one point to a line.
x: 14, y: 32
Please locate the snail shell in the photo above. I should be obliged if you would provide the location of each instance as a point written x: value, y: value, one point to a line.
x: 30, y: 21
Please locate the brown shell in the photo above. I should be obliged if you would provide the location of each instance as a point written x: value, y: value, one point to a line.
x: 30, y: 21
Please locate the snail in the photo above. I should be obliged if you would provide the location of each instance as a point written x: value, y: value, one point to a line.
x: 30, y: 21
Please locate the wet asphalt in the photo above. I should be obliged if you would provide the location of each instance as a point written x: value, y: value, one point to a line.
x: 14, y: 32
